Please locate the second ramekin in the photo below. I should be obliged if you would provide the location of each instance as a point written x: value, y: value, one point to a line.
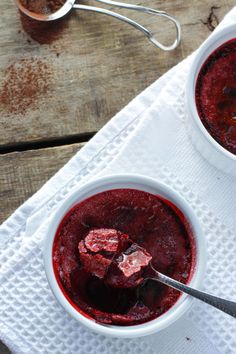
x: 210, y: 149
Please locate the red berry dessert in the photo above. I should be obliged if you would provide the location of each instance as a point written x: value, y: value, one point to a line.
x: 112, y: 256
x: 216, y: 95
x: 104, y: 245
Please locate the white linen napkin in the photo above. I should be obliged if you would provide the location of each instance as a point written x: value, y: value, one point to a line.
x: 148, y: 137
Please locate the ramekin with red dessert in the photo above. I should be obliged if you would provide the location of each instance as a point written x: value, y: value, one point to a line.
x: 211, y: 99
x: 89, y: 229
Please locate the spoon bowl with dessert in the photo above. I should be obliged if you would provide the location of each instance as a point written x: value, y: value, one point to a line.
x: 127, y: 265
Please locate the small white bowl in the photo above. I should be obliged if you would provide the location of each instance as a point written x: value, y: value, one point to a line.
x: 210, y: 149
x: 144, y: 184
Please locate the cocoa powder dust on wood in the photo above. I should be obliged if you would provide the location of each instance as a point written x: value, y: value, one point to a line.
x: 23, y: 84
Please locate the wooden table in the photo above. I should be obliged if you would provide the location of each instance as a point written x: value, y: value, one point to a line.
x: 94, y: 67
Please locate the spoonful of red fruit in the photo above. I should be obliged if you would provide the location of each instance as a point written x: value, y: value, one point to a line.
x: 112, y: 256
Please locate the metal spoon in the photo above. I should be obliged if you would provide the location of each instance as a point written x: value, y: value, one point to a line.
x: 69, y: 4
x: 136, y: 257
x: 134, y: 265
x: 226, y: 306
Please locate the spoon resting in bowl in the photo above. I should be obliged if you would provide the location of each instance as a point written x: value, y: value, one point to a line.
x: 112, y: 256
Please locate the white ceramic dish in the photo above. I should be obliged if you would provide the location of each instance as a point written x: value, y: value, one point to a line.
x: 140, y: 183
x: 211, y: 150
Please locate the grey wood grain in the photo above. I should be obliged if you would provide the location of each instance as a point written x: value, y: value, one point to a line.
x: 23, y: 173
x: 94, y: 68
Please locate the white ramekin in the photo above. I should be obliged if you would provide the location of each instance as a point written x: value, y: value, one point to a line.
x: 210, y: 149
x: 144, y: 184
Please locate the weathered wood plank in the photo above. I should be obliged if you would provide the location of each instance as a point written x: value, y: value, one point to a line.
x: 23, y: 173
x: 96, y: 67
x: 3, y: 349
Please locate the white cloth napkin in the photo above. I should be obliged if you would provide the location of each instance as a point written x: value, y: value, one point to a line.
x: 148, y: 137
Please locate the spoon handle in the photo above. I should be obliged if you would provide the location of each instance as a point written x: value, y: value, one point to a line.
x: 135, y: 24
x: 226, y: 306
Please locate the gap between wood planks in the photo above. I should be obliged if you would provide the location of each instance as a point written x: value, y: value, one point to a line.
x: 41, y: 144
